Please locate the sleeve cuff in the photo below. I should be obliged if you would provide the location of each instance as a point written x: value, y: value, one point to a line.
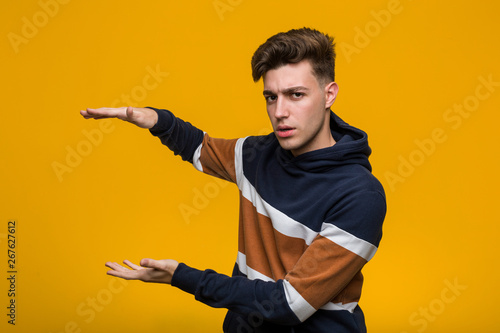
x: 165, y: 122
x: 186, y: 278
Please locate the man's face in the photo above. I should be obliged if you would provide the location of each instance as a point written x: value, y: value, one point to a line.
x: 298, y: 107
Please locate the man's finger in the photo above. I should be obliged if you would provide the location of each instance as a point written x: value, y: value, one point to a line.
x: 117, y: 267
x: 114, y: 273
x: 105, y: 112
x: 131, y: 265
x: 127, y: 275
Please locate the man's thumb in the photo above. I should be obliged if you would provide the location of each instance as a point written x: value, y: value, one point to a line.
x: 130, y: 113
x: 149, y: 263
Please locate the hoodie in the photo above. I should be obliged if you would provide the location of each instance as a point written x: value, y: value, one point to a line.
x: 307, y: 226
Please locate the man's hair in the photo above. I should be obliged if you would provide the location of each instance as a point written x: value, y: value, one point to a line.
x: 294, y: 46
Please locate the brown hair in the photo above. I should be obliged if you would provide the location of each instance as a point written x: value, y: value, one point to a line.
x: 294, y: 46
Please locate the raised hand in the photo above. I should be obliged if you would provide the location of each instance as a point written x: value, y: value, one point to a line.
x: 142, y: 117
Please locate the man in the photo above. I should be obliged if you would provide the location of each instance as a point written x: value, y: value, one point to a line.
x: 311, y: 211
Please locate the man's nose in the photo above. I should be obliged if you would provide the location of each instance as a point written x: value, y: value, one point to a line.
x: 281, y: 110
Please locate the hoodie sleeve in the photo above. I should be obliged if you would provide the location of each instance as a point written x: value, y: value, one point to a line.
x: 180, y: 136
x: 209, y: 155
x: 264, y: 299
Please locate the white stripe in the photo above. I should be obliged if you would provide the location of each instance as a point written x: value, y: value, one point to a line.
x: 339, y: 306
x: 348, y: 241
x: 251, y: 274
x: 281, y: 222
x: 238, y: 160
x: 196, y: 157
x: 297, y: 303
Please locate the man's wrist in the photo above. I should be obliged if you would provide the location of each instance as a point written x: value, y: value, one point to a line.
x: 171, y: 270
x: 164, y: 121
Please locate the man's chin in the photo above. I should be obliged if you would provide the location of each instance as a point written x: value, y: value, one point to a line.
x: 286, y: 143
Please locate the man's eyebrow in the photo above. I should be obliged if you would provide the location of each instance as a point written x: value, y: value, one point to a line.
x: 290, y: 90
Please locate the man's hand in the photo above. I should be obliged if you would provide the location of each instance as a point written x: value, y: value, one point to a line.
x: 142, y: 117
x: 159, y: 271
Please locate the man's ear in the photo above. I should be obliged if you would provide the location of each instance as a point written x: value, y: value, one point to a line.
x: 331, y: 90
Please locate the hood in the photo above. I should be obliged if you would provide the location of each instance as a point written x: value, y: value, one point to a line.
x: 351, y: 147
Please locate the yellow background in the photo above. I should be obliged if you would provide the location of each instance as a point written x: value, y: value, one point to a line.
x: 399, y: 75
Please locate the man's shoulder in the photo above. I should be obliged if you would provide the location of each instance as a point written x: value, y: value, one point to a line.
x: 260, y: 140
x: 256, y: 145
x: 357, y: 178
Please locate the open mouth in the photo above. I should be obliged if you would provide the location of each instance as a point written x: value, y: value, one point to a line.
x: 284, y: 131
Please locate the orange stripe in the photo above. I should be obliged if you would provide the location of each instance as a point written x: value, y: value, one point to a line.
x: 267, y: 251
x: 217, y: 157
x: 327, y: 271
x: 352, y: 292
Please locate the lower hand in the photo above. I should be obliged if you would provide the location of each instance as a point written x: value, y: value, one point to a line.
x: 158, y: 271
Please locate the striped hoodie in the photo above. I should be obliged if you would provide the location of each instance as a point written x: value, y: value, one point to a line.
x: 307, y: 226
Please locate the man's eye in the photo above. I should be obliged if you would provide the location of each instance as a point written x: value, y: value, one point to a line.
x: 297, y: 95
x: 270, y: 98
